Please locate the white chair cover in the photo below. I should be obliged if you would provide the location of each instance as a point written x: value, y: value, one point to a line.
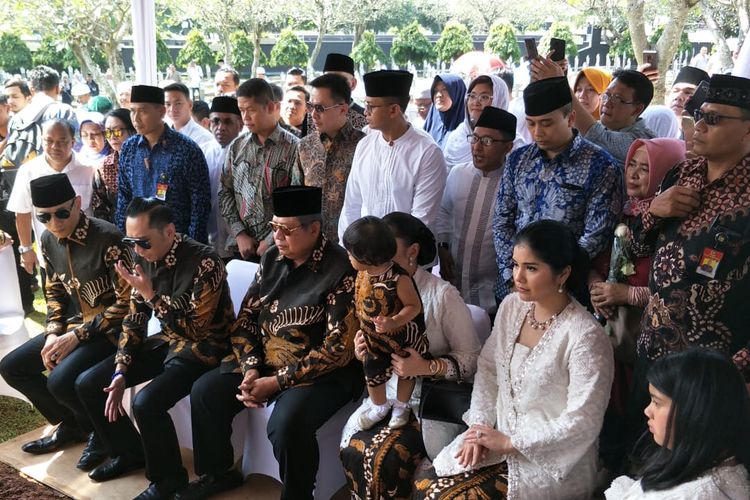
x: 481, y: 321
x: 13, y: 332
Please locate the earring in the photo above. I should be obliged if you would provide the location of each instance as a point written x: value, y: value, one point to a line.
x: 561, y: 289
x: 411, y: 261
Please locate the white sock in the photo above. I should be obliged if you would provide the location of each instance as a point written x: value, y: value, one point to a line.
x: 400, y: 408
x: 378, y: 411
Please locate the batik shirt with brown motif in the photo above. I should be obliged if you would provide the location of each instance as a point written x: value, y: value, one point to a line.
x: 297, y: 323
x: 325, y: 162
x: 192, y: 304
x: 693, y: 302
x: 251, y: 172
x: 81, y: 274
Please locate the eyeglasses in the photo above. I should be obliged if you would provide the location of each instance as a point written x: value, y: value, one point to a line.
x: 482, y: 98
x: 485, y: 140
x: 287, y: 231
x: 319, y: 108
x: 615, y: 99
x: 712, y: 119
x: 61, y: 214
x: 369, y: 107
x: 57, y: 144
x: 114, y: 133
x: 141, y: 242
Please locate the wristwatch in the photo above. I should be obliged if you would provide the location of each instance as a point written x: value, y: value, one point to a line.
x: 23, y: 249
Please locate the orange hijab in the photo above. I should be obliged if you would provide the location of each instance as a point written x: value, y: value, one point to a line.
x: 598, y: 79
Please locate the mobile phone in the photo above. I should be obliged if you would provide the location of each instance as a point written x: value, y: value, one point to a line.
x: 697, y: 99
x: 651, y: 57
x: 531, y: 51
x: 557, y: 46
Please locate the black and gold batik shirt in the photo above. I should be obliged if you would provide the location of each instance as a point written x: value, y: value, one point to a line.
x: 81, y: 273
x: 297, y: 323
x: 192, y: 303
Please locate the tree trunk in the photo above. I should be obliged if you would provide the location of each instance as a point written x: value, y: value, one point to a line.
x: 227, y: 48
x: 112, y: 50
x: 743, y: 13
x: 359, y: 30
x: 257, y: 34
x: 725, y: 55
x: 321, y: 33
x: 670, y: 40
x: 637, y: 27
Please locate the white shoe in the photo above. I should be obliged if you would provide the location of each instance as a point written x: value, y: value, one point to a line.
x: 373, y: 415
x: 400, y: 415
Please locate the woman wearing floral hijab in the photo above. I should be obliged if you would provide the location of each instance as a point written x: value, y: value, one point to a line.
x: 448, y: 109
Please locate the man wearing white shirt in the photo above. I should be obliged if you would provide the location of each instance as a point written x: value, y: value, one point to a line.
x: 225, y: 121
x: 179, y: 111
x: 396, y: 167
x: 464, y: 224
x: 57, y: 142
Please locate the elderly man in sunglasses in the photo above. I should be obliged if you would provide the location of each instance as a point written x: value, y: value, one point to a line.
x: 183, y: 284
x: 698, y: 230
x: 86, y: 303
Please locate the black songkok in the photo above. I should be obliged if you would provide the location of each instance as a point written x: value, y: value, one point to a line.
x: 388, y: 83
x: 339, y: 62
x: 498, y: 119
x: 730, y: 90
x: 294, y: 201
x: 51, y: 190
x: 691, y: 75
x: 225, y: 104
x: 545, y: 96
x: 147, y: 93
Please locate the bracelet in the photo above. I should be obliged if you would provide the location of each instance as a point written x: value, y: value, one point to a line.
x: 118, y: 373
x: 434, y: 367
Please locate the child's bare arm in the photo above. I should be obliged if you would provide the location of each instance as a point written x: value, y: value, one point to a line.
x: 412, y: 306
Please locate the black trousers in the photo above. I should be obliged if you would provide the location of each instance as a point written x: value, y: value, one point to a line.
x: 297, y: 415
x: 170, y: 382
x: 54, y: 396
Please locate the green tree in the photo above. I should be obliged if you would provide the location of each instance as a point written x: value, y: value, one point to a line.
x: 52, y: 54
x: 411, y: 45
x: 242, y: 49
x: 683, y: 46
x: 560, y: 30
x: 163, y: 56
x: 195, y: 49
x: 289, y: 50
x: 501, y: 41
x: 454, y: 41
x: 367, y: 52
x: 14, y: 54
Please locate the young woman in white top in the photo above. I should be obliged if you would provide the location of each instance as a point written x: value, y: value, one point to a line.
x: 698, y: 444
x: 541, y: 388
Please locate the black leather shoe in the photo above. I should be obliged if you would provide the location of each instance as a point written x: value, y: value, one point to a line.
x: 116, y: 468
x: 62, y: 437
x: 165, y: 489
x: 210, y: 484
x: 93, y: 454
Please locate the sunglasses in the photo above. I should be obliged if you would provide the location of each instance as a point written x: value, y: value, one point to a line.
x: 60, y: 214
x: 319, y: 108
x: 287, y: 231
x: 115, y: 133
x: 712, y: 119
x: 141, y: 242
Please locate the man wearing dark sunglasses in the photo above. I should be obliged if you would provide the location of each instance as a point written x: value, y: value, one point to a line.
x: 80, y: 255
x: 183, y: 284
x: 698, y: 228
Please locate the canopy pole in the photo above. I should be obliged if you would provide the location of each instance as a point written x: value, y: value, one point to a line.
x: 144, y: 41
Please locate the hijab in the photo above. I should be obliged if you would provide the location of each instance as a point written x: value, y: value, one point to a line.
x: 662, y: 121
x: 500, y: 96
x: 598, y: 79
x: 663, y: 154
x: 439, y: 123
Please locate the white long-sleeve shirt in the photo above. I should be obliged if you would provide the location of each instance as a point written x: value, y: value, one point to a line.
x: 405, y: 175
x: 465, y: 223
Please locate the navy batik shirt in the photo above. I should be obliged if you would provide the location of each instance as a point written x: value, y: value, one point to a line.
x: 581, y: 187
x: 174, y: 170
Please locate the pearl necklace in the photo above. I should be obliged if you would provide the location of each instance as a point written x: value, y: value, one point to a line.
x: 539, y: 325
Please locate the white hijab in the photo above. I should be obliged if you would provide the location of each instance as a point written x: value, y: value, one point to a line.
x: 662, y: 121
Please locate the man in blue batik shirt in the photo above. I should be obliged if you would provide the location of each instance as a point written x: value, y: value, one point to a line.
x: 162, y: 163
x: 561, y: 176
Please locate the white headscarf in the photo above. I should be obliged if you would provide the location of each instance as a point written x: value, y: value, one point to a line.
x: 662, y: 121
x: 457, y: 149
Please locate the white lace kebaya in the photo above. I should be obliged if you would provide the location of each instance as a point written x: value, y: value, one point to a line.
x: 552, y: 407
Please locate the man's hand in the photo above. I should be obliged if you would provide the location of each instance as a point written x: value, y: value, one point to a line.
x: 245, y: 386
x: 246, y: 245
x: 650, y: 72
x: 543, y: 68
x: 50, y: 344
x: 113, y: 408
x: 609, y: 295
x: 262, y: 247
x: 65, y: 345
x: 28, y: 261
x: 263, y: 388
x: 447, y: 266
x: 677, y: 201
x: 137, y: 279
